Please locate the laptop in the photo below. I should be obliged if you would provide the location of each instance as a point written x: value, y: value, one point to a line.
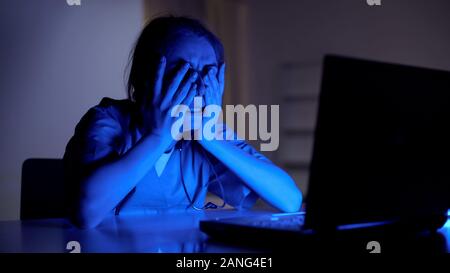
x: 381, y: 157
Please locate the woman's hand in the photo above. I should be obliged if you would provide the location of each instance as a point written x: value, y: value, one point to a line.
x: 156, y: 110
x: 215, y: 84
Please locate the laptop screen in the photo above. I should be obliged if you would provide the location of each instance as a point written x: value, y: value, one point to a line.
x: 382, y: 143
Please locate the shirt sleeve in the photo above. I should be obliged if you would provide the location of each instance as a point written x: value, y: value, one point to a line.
x: 225, y: 184
x: 96, y: 139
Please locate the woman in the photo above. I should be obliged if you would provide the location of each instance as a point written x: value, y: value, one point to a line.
x: 123, y: 158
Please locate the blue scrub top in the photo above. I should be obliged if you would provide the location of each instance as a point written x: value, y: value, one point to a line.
x: 110, y: 129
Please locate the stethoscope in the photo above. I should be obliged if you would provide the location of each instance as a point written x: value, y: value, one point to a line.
x: 209, y: 205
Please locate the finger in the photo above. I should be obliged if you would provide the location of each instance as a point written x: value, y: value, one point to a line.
x: 190, y: 96
x: 221, y: 76
x: 209, y: 92
x: 213, y: 79
x: 159, y: 79
x: 179, y: 76
x: 184, y: 89
x: 202, y: 86
x: 207, y: 82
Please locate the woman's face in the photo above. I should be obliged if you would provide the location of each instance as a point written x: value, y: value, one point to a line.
x: 196, y: 51
x: 199, y: 53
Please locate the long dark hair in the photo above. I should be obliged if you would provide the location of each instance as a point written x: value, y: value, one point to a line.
x: 149, y: 47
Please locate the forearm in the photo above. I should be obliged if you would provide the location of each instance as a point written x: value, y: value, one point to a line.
x: 267, y: 180
x: 107, y: 185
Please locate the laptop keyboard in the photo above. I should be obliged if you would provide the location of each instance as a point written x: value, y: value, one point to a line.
x: 283, y: 221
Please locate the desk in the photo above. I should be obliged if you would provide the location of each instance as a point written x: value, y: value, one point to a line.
x: 174, y: 232
x: 171, y: 232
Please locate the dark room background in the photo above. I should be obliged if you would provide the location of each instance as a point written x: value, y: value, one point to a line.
x: 58, y: 60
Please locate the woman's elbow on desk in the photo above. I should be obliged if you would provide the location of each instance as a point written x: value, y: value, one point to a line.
x: 292, y: 202
x: 290, y: 198
x: 86, y: 211
x: 84, y: 216
x: 277, y: 188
